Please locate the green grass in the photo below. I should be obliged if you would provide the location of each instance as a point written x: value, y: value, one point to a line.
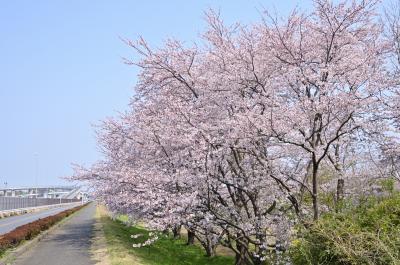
x: 165, y: 251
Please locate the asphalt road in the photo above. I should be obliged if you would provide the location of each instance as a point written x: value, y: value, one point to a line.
x: 68, y: 244
x: 10, y: 223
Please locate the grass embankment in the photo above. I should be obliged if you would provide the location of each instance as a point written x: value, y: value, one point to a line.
x: 165, y: 251
x: 29, y: 231
x: 364, y: 233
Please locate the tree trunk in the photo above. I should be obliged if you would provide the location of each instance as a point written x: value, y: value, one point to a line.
x: 191, y: 236
x: 340, y: 182
x: 176, y: 231
x: 315, y: 191
x: 339, y: 192
x: 208, y: 245
x: 210, y: 250
x: 240, y: 258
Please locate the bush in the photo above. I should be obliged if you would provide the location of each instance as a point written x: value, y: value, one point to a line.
x: 368, y: 233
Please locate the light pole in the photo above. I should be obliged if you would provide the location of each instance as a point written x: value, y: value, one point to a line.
x: 5, y: 188
x: 36, y: 173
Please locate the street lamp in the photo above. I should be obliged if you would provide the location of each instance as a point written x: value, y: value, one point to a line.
x: 36, y: 173
x: 5, y: 189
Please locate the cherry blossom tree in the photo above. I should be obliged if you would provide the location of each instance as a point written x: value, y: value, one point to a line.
x: 332, y: 78
x: 392, y: 33
x: 229, y: 137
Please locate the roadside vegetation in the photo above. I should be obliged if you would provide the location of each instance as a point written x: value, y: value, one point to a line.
x: 165, y: 251
x: 363, y: 233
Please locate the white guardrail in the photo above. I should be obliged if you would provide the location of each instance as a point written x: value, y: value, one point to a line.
x: 9, y: 203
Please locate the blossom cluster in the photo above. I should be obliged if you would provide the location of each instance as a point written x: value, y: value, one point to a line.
x: 152, y: 237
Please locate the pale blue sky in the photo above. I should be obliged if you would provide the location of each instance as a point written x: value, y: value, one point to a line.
x: 61, y: 72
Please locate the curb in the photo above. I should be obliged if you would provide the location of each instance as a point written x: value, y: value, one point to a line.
x: 12, y: 254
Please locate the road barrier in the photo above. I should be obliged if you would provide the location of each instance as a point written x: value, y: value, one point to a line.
x: 9, y: 203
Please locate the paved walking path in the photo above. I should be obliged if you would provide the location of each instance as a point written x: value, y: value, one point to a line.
x: 68, y: 244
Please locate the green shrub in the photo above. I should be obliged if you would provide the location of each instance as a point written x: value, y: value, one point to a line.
x: 368, y: 233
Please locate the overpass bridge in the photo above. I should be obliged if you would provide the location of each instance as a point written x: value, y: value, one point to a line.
x: 49, y: 192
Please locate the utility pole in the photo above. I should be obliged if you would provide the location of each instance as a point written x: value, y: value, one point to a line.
x: 36, y: 173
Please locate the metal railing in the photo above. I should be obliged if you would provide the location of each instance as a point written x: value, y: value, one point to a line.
x: 9, y: 203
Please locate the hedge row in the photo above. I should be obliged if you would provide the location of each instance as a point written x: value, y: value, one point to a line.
x: 30, y: 230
